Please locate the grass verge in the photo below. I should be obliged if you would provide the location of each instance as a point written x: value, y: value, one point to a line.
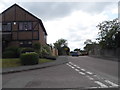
x: 16, y: 62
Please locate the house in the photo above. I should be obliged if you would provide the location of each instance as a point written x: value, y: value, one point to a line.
x: 21, y: 28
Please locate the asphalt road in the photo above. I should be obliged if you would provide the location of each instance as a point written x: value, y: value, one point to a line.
x: 79, y: 72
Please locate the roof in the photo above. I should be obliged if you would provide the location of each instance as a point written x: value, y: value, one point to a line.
x: 40, y: 21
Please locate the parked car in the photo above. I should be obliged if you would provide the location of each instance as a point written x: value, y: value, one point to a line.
x: 75, y: 54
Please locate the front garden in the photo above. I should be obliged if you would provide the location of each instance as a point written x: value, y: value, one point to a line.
x: 19, y: 56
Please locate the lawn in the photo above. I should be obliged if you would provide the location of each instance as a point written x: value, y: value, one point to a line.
x: 16, y: 62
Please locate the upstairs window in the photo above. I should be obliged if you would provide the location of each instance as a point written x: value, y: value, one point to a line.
x: 25, y: 43
x: 25, y: 26
x: 6, y: 27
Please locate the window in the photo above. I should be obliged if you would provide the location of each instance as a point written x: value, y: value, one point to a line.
x: 25, y: 43
x: 6, y: 27
x: 25, y: 26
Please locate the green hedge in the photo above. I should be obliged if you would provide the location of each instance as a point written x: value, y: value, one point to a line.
x: 24, y: 50
x: 29, y: 58
x: 8, y: 54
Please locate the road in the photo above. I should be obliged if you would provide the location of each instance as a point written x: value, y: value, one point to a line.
x: 79, y: 72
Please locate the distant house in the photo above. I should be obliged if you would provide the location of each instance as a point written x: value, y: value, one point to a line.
x: 21, y: 28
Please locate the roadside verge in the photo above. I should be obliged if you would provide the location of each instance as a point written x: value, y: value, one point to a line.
x: 60, y: 60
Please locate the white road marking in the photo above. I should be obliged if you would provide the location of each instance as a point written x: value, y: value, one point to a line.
x: 72, y: 67
x: 67, y: 64
x: 97, y: 77
x: 81, y: 73
x: 70, y: 64
x: 93, y: 87
x: 90, y: 78
x: 83, y: 69
x: 77, y: 67
x: 113, y: 84
x: 89, y: 73
x: 76, y: 70
x: 101, y: 84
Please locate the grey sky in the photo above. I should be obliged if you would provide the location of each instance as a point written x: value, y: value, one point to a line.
x: 52, y: 10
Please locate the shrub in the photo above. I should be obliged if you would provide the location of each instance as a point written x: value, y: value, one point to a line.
x: 37, y: 46
x: 14, y: 51
x: 8, y: 54
x: 29, y: 58
x: 24, y: 50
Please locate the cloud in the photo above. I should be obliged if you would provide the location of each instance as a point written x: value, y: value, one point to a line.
x: 53, y: 10
x: 76, y: 28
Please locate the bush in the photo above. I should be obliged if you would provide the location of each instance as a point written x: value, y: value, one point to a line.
x: 8, y: 54
x: 14, y: 52
x: 24, y: 50
x: 29, y: 58
x: 37, y: 46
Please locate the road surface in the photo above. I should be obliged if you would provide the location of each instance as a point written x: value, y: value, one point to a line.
x: 79, y: 72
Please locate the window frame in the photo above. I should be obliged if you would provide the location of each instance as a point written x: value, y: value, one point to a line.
x: 25, y: 26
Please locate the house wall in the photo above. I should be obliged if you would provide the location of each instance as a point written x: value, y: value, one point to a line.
x: 41, y: 36
x: 17, y: 14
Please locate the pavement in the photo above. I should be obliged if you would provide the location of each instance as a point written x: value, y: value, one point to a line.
x: 60, y: 60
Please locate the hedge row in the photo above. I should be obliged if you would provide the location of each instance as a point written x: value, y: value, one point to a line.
x: 29, y: 58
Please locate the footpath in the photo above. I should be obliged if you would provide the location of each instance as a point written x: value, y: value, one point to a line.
x: 60, y: 60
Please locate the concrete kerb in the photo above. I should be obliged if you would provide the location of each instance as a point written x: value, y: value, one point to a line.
x: 60, y: 60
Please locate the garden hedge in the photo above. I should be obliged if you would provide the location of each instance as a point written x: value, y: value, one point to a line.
x: 29, y: 58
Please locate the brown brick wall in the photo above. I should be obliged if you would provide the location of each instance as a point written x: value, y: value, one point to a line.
x: 14, y: 35
x: 41, y: 36
x: 16, y: 14
x: 25, y: 35
x: 9, y: 15
x: 15, y: 43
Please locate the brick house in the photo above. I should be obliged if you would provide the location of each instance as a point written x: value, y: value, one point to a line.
x: 21, y: 28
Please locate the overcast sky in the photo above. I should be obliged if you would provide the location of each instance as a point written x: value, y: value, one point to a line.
x: 73, y: 21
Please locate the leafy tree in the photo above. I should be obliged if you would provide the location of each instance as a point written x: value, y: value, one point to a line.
x: 107, y: 33
x: 66, y: 50
x: 77, y: 49
x: 88, y: 41
x: 88, y: 47
x: 60, y: 45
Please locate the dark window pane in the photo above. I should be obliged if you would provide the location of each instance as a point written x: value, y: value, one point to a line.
x: 6, y: 27
x: 25, y: 26
x: 21, y: 26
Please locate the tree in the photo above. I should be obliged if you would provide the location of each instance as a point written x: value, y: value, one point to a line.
x: 107, y: 33
x: 88, y: 41
x: 60, y: 44
x: 66, y: 50
x: 77, y: 49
